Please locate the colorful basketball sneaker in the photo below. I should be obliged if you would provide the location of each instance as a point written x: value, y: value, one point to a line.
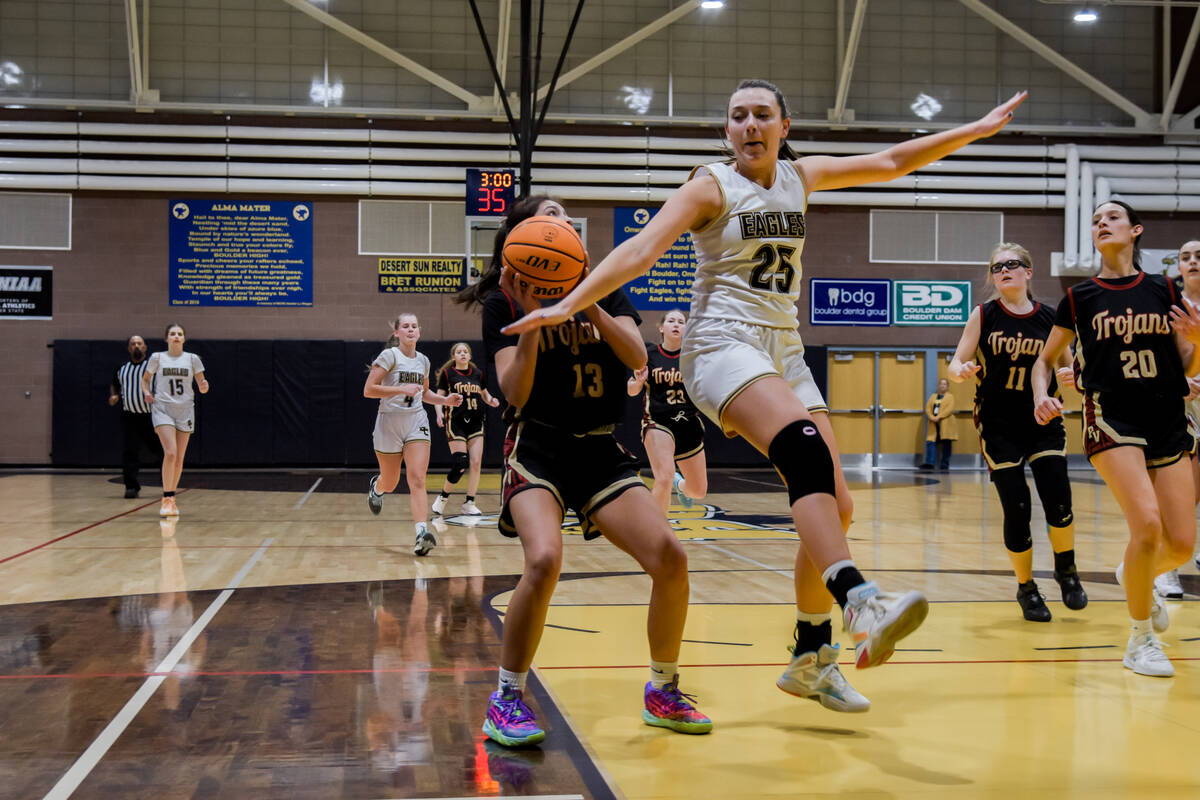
x: 684, y: 500
x: 877, y: 620
x: 509, y: 721
x: 815, y: 676
x: 425, y: 541
x: 374, y: 499
x: 670, y: 708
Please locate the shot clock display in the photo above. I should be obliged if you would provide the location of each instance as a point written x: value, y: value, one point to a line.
x: 490, y: 192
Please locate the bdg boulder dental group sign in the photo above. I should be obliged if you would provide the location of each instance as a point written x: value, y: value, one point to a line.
x: 888, y: 302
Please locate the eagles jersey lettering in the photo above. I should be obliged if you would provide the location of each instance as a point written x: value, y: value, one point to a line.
x: 578, y: 382
x: 665, y: 395
x: 1009, y: 344
x: 748, y: 258
x: 401, y: 369
x: 1126, y: 345
x: 174, y: 376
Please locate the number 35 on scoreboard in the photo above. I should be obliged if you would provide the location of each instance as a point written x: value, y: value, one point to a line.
x: 490, y: 192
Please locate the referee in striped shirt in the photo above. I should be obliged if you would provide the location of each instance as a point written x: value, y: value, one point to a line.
x: 126, y: 388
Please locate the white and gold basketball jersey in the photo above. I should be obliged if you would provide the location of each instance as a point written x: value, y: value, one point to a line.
x: 748, y: 258
x: 401, y: 369
x: 175, y: 375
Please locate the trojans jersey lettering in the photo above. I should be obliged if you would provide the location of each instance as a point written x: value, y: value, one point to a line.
x: 748, y: 258
x: 1126, y: 345
x: 1009, y: 344
x: 665, y: 395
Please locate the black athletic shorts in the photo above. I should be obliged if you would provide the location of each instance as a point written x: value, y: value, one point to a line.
x: 582, y: 472
x: 1158, y: 425
x: 463, y: 427
x: 687, y: 430
x: 1009, y: 443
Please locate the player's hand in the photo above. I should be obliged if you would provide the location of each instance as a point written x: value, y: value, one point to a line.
x: 1193, y: 388
x: 493, y: 401
x: 519, y: 289
x: 1065, y: 376
x: 1046, y: 408
x: 149, y: 398
x: 113, y: 399
x: 640, y: 375
x: 202, y: 386
x: 966, y: 370
x: 438, y: 414
x: 1186, y: 323
x: 414, y: 390
x: 999, y: 116
x: 454, y: 400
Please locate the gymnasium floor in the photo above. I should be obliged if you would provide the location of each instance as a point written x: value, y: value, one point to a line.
x: 280, y: 641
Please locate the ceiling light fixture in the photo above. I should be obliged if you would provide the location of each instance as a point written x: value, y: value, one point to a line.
x: 1086, y: 15
x: 713, y: 4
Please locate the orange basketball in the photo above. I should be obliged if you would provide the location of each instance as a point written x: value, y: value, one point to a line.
x: 547, y: 253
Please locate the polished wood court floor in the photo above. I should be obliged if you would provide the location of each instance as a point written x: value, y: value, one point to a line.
x: 280, y: 641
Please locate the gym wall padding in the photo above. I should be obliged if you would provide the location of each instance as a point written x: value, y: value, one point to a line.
x: 290, y: 402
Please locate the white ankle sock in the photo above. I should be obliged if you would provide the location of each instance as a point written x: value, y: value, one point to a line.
x: 515, y: 680
x: 1141, y: 627
x: 662, y: 672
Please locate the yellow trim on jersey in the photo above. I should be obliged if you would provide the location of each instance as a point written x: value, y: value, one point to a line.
x: 724, y: 198
x: 1043, y: 453
x: 733, y: 396
x: 1166, y: 461
x: 685, y: 456
x: 1112, y: 434
x: 608, y: 492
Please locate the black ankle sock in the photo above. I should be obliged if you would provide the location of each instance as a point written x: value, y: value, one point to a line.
x: 444, y: 494
x: 810, y: 637
x: 841, y: 583
x: 168, y: 494
x: 470, y: 499
x: 1064, y: 561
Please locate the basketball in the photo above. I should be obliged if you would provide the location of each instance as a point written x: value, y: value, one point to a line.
x: 547, y: 253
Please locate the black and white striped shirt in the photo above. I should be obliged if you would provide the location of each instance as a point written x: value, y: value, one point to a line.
x: 128, y: 382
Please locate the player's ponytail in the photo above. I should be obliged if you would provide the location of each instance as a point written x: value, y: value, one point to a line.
x: 522, y: 209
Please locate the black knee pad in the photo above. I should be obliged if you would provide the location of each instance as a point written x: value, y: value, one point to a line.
x: 459, y: 463
x: 1053, y: 487
x: 1015, y: 500
x: 802, y: 459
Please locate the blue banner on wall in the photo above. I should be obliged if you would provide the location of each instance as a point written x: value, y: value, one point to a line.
x: 849, y: 302
x: 668, y: 284
x: 241, y: 253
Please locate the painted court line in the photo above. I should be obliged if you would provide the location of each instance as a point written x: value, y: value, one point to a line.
x: 83, y: 766
x: 81, y: 530
x: 307, y: 494
x: 787, y: 573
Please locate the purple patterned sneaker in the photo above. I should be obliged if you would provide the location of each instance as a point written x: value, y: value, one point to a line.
x: 670, y: 708
x: 510, y: 722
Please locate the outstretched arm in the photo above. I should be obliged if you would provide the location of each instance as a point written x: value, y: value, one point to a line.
x: 691, y: 206
x: 838, y: 172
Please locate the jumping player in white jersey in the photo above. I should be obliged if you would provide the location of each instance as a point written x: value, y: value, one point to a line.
x: 173, y: 407
x: 742, y: 358
x: 399, y: 378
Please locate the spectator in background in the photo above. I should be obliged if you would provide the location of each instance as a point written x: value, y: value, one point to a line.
x: 136, y: 429
x: 941, y: 432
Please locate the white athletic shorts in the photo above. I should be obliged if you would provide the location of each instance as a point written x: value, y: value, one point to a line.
x: 180, y: 416
x: 720, y: 358
x: 394, y: 430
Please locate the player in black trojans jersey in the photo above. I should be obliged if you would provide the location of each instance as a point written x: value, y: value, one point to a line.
x: 463, y: 425
x: 1136, y: 347
x: 672, y: 431
x: 565, y: 389
x: 999, y: 345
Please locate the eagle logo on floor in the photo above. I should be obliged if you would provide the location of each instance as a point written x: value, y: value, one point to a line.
x: 701, y: 521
